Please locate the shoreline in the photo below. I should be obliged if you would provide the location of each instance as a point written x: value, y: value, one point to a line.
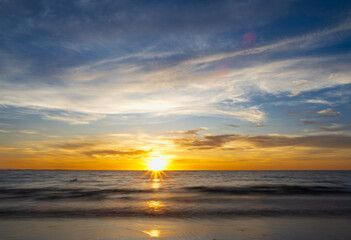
x: 268, y: 228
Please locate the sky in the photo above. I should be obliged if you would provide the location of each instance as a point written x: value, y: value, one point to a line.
x: 203, y: 85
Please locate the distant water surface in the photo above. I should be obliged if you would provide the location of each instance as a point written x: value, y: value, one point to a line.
x: 180, y: 194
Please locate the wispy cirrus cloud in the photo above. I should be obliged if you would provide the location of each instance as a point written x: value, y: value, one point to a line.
x: 319, y: 101
x: 29, y: 132
x: 142, y: 83
x: 72, y: 118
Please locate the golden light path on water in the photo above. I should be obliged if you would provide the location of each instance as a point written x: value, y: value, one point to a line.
x: 156, y: 165
x: 154, y: 206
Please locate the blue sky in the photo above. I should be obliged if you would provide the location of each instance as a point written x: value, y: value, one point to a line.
x: 145, y: 72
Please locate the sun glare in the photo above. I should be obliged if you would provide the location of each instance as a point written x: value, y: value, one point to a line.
x: 156, y: 163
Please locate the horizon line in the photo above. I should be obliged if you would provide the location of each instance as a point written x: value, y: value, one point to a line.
x: 173, y: 170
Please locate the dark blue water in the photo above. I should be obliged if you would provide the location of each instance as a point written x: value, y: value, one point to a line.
x: 180, y: 194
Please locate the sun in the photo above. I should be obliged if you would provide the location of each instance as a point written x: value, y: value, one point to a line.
x: 156, y: 163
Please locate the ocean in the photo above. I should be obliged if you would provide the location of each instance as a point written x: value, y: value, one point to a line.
x: 173, y: 194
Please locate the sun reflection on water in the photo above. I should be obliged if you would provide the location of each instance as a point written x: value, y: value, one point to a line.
x: 156, y: 175
x: 155, y: 184
x: 153, y: 233
x: 154, y: 207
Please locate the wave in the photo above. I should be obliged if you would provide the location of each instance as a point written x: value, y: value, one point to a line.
x: 132, y: 212
x: 272, y: 190
x: 180, y: 202
x: 64, y: 193
x: 52, y: 193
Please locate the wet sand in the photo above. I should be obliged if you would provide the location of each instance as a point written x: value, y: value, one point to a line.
x: 295, y: 228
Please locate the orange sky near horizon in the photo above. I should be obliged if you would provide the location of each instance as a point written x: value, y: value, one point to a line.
x: 102, y: 156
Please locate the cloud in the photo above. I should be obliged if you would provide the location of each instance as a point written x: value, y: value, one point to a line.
x: 299, y: 83
x: 309, y: 122
x: 329, y: 112
x: 205, y: 142
x: 175, y: 89
x: 264, y: 141
x: 192, y: 131
x: 109, y: 152
x: 96, y: 74
x: 74, y: 145
x: 232, y: 125
x: 311, y: 113
x: 335, y: 128
x: 28, y: 131
x: 72, y: 118
x: 294, y: 93
x: 4, y: 131
x: 305, y: 41
x: 320, y: 141
x: 252, y: 114
x: 319, y: 101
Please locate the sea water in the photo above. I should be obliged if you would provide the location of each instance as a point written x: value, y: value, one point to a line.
x: 175, y: 194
